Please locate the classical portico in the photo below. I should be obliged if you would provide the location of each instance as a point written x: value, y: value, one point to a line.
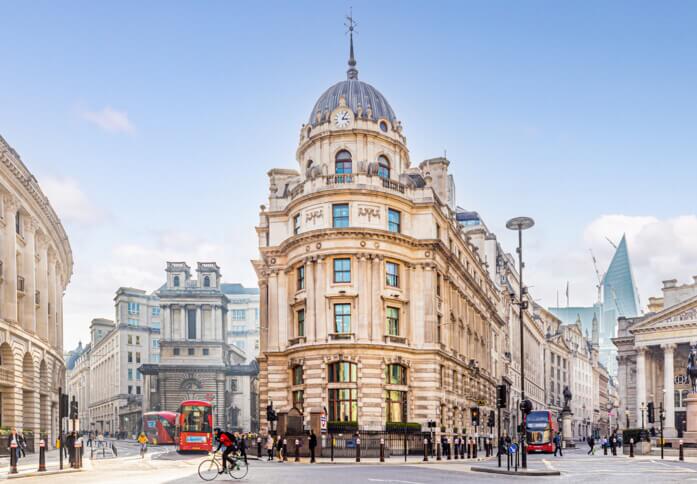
x: 653, y: 354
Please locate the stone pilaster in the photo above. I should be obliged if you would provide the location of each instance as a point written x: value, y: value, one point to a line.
x: 640, y: 384
x: 669, y: 388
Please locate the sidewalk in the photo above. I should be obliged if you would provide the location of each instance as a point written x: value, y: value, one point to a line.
x: 29, y: 465
x: 394, y: 460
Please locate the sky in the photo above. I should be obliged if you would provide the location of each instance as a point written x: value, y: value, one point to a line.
x: 151, y: 125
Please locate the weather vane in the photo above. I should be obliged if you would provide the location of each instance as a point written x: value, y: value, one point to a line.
x: 351, y: 24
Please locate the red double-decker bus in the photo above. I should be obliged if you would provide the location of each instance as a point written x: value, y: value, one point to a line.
x: 160, y: 427
x: 195, y: 426
x: 540, y: 428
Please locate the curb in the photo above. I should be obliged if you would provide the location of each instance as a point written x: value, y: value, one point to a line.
x: 43, y: 473
x: 538, y: 473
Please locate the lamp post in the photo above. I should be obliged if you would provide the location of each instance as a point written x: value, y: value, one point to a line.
x: 626, y: 414
x: 643, y: 409
x: 520, y: 224
x: 662, y: 415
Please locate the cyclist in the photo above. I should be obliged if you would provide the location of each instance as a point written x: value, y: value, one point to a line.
x: 230, y: 442
x: 143, y: 441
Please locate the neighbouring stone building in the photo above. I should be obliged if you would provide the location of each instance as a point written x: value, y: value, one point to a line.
x: 653, y: 351
x: 243, y: 318
x: 36, y: 264
x: 375, y: 306
x: 196, y: 359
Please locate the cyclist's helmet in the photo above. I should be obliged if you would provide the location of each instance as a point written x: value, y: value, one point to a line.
x: 217, y: 431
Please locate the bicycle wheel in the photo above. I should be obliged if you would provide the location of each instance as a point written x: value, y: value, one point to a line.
x: 239, y: 469
x: 208, y: 469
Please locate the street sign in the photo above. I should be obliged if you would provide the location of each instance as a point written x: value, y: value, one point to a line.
x: 323, y: 422
x: 513, y: 449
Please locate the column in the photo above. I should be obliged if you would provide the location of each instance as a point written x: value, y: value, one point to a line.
x: 669, y: 387
x: 320, y: 302
x: 42, y: 283
x: 167, y: 323
x: 310, y: 306
x: 376, y: 285
x: 29, y: 227
x: 182, y: 323
x: 640, y: 384
x: 10, y: 263
x: 199, y: 323
x: 51, y: 296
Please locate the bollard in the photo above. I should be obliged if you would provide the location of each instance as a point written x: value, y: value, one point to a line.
x: 285, y: 450
x: 438, y: 451
x: 463, y: 444
x: 382, y: 449
x: 425, y: 450
x: 508, y: 460
x: 474, y: 449
x: 486, y: 446
x: 77, y: 455
x: 13, y: 457
x: 297, y: 450
x: 358, y: 449
x: 681, y: 454
x: 447, y: 441
x: 469, y: 448
x: 631, y: 447
x: 42, y: 455
x: 456, y: 447
x: 259, y: 447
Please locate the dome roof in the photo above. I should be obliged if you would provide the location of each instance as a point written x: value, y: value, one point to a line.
x: 358, y: 94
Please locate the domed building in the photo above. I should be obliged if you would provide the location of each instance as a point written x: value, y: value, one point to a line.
x: 375, y: 308
x: 36, y: 263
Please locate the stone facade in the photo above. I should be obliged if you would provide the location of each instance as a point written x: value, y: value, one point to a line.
x: 375, y: 306
x: 36, y: 263
x: 653, y: 352
x: 196, y: 361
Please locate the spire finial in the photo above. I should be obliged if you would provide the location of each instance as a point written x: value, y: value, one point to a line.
x: 352, y: 72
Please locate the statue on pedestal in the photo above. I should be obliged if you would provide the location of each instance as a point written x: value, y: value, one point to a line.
x: 692, y: 368
x: 567, y: 399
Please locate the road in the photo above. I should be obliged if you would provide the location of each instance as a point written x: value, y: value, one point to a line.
x: 575, y: 466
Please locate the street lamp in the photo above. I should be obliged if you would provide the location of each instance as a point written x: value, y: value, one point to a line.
x: 643, y: 409
x: 626, y: 414
x: 662, y: 415
x: 520, y: 224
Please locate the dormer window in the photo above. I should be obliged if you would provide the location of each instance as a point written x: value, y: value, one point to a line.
x: 383, y: 167
x: 175, y: 281
x: 206, y: 281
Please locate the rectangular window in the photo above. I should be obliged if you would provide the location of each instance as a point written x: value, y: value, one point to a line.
x: 133, y: 322
x: 298, y: 397
x: 392, y: 274
x: 439, y: 325
x: 342, y: 270
x: 137, y: 340
x: 297, y: 375
x: 342, y: 318
x: 239, y: 314
x: 130, y: 357
x: 137, y: 356
x: 340, y: 215
x: 191, y: 351
x: 155, y: 311
x: 343, y: 404
x: 130, y: 373
x: 130, y: 389
x: 139, y: 376
x: 392, y: 321
x: 137, y: 390
x: 154, y: 358
x: 206, y: 352
x: 396, y: 405
x: 155, y: 343
x: 155, y: 325
x: 133, y: 308
x: 130, y: 339
x: 175, y: 351
x: 301, y: 322
x: 438, y: 282
x: 296, y: 224
x: 394, y: 220
x: 301, y: 278
x: 191, y: 323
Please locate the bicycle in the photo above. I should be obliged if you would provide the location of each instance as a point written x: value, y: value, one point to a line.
x: 143, y: 450
x: 209, y: 469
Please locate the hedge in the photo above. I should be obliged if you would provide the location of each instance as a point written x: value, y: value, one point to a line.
x: 637, y: 434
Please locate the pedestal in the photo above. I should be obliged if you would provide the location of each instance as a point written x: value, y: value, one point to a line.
x: 690, y: 434
x: 566, y: 428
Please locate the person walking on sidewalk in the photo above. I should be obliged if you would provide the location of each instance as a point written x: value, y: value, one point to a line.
x: 557, y: 445
x: 591, y: 444
x: 22, y: 444
x: 14, y: 438
x: 279, y: 448
x: 269, y: 447
x: 313, y: 445
x: 100, y: 440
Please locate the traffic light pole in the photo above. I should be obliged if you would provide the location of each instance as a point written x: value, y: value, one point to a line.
x: 521, y: 309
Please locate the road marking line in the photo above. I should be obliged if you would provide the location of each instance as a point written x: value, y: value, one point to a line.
x: 395, y: 480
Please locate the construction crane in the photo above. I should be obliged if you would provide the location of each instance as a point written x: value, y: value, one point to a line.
x: 597, y: 273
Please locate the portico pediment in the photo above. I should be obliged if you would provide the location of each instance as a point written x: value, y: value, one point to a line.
x: 679, y: 317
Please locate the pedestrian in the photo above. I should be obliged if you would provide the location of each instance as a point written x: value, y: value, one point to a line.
x: 14, y: 438
x: 243, y: 447
x: 313, y: 444
x: 89, y: 440
x: 557, y: 445
x: 269, y: 447
x: 591, y: 445
x: 100, y: 439
x: 70, y: 443
x: 22, y: 444
x: 279, y: 448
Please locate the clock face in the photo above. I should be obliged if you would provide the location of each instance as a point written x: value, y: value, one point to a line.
x: 342, y: 119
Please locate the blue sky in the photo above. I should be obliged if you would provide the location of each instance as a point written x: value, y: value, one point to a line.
x: 151, y: 125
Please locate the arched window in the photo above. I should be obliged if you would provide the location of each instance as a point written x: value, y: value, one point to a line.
x: 343, y: 166
x: 309, y: 165
x: 206, y: 281
x: 396, y: 374
x: 175, y: 281
x: 383, y: 167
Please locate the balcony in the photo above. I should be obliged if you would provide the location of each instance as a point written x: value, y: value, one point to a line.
x: 20, y: 284
x: 393, y: 339
x: 341, y: 336
x: 296, y: 341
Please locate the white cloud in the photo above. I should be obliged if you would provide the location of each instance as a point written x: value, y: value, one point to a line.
x: 659, y: 249
x: 110, y: 120
x: 70, y: 202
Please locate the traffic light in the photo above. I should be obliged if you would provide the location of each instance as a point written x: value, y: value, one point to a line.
x: 649, y: 413
x: 526, y: 406
x: 73, y: 409
x: 270, y: 413
x: 475, y: 416
x: 501, y: 396
x: 491, y: 421
x: 63, y: 410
